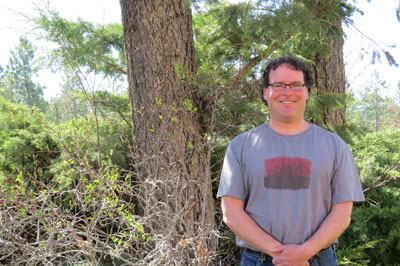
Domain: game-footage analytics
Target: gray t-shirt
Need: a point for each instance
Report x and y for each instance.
(289, 183)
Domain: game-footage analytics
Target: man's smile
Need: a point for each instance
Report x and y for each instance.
(287, 102)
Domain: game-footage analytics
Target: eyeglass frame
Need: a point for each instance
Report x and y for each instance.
(302, 85)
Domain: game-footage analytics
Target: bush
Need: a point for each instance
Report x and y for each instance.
(25, 145)
(373, 237)
(63, 200)
(91, 223)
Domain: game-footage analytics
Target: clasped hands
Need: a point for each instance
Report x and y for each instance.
(290, 255)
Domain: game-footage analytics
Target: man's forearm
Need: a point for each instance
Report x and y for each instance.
(245, 228)
(331, 228)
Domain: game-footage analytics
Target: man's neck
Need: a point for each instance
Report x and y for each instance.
(289, 128)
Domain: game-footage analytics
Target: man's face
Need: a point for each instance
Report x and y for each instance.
(286, 106)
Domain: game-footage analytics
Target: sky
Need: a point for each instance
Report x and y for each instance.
(13, 25)
(378, 23)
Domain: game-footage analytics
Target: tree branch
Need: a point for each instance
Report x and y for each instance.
(256, 60)
(274, 46)
(117, 68)
(386, 179)
(382, 184)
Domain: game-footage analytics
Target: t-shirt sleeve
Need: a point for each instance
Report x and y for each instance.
(232, 179)
(346, 185)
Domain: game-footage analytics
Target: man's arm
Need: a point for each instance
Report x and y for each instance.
(331, 228)
(244, 226)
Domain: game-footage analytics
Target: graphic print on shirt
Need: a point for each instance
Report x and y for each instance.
(287, 173)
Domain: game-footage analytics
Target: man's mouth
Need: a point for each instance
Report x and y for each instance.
(287, 102)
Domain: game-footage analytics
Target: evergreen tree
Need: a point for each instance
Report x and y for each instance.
(372, 109)
(84, 47)
(240, 38)
(18, 84)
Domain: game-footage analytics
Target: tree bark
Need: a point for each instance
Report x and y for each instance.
(171, 154)
(330, 79)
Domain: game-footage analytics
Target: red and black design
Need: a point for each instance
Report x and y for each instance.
(287, 173)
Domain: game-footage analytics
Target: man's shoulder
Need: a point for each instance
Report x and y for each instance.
(263, 128)
(249, 137)
(325, 133)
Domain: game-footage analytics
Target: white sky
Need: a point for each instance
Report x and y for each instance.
(13, 25)
(378, 23)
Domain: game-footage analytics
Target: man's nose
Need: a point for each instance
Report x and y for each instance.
(287, 88)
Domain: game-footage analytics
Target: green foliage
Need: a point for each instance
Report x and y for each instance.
(314, 23)
(232, 36)
(80, 143)
(62, 205)
(355, 255)
(324, 103)
(25, 144)
(373, 237)
(330, 103)
(376, 154)
(28, 142)
(84, 45)
(240, 109)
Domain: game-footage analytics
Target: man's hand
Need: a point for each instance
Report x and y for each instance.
(290, 255)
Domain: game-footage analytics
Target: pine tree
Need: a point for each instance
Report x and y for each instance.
(18, 83)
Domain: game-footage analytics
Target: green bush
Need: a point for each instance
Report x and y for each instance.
(80, 144)
(373, 238)
(374, 235)
(376, 153)
(25, 143)
(64, 197)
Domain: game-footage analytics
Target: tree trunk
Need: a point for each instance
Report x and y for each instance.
(171, 153)
(330, 80)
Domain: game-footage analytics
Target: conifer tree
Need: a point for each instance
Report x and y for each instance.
(18, 81)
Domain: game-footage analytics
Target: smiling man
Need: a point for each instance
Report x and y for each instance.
(287, 187)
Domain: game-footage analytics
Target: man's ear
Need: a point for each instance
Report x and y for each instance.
(264, 94)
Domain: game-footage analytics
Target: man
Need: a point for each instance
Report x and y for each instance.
(287, 187)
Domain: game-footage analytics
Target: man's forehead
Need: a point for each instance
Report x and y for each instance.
(286, 65)
(283, 65)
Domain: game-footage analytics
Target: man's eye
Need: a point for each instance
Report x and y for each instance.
(279, 85)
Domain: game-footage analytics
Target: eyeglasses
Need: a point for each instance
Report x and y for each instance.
(295, 86)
